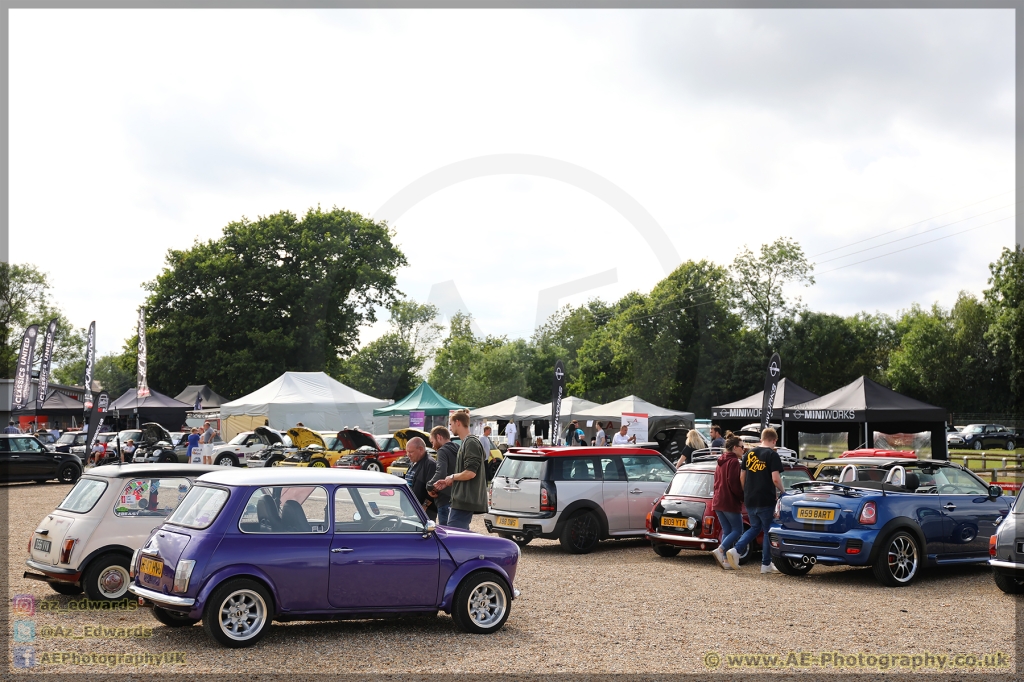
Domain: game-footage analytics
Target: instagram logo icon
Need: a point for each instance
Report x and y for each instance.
(23, 605)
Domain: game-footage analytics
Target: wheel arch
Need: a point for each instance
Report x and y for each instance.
(231, 573)
(582, 505)
(893, 525)
(464, 571)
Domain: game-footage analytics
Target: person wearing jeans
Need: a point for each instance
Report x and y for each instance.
(469, 481)
(761, 478)
(727, 502)
(447, 453)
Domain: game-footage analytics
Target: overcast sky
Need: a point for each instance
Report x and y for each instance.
(136, 131)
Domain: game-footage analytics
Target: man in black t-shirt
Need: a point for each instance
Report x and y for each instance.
(761, 478)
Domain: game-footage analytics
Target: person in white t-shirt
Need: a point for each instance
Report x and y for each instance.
(621, 438)
(510, 434)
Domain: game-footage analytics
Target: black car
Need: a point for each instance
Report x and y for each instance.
(24, 458)
(70, 439)
(982, 436)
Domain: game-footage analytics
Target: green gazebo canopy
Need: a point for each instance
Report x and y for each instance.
(424, 399)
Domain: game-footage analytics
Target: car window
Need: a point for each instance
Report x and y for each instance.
(612, 469)
(647, 469)
(791, 477)
(66, 438)
(962, 483)
(332, 443)
(83, 496)
(574, 468)
(286, 509)
(382, 442)
(240, 439)
(974, 428)
(199, 508)
(5, 444)
(521, 468)
(375, 510)
(151, 496)
(26, 445)
(692, 484)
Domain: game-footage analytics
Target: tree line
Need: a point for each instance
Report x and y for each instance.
(286, 292)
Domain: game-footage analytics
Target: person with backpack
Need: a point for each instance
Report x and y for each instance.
(727, 503)
(469, 482)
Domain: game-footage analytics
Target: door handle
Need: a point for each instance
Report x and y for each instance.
(15, 456)
(341, 549)
(949, 506)
(635, 491)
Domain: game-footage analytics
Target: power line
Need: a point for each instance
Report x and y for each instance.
(937, 239)
(931, 229)
(882, 234)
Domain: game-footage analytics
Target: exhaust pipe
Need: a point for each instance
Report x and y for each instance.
(808, 560)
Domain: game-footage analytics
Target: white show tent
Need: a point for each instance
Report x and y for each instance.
(571, 409)
(656, 415)
(313, 398)
(508, 409)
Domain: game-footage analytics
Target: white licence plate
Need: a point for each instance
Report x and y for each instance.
(42, 545)
(507, 522)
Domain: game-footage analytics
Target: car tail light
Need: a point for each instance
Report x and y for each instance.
(134, 563)
(182, 573)
(778, 509)
(854, 546)
(868, 514)
(650, 526)
(992, 546)
(65, 551)
(709, 525)
(548, 500)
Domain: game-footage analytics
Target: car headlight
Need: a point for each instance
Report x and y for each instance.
(182, 574)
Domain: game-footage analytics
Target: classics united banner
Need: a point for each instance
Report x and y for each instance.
(90, 358)
(143, 388)
(23, 373)
(44, 363)
(557, 391)
(771, 387)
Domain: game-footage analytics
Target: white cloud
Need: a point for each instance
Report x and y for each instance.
(133, 132)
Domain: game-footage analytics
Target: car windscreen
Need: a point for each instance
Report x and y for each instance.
(791, 477)
(83, 496)
(199, 508)
(239, 439)
(692, 484)
(522, 469)
(67, 438)
(974, 428)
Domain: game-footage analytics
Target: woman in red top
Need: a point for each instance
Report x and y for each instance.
(727, 502)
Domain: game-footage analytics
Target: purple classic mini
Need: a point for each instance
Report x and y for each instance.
(247, 547)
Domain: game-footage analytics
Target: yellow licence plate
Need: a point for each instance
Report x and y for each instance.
(507, 521)
(675, 523)
(815, 514)
(152, 567)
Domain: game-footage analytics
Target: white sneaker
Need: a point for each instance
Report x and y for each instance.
(770, 568)
(720, 557)
(734, 558)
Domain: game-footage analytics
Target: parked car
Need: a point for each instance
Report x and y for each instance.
(577, 495)
(921, 513)
(377, 453)
(246, 444)
(154, 444)
(683, 518)
(70, 439)
(848, 469)
(1007, 551)
(246, 548)
(312, 449)
(24, 458)
(879, 452)
(122, 437)
(983, 436)
(47, 439)
(88, 540)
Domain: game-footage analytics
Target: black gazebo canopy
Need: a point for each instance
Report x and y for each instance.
(733, 416)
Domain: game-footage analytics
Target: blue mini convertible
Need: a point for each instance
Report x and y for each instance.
(247, 547)
(897, 517)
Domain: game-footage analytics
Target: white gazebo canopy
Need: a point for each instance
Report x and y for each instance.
(572, 408)
(508, 409)
(634, 405)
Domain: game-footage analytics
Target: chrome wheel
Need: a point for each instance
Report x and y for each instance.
(225, 461)
(373, 466)
(487, 604)
(113, 582)
(902, 559)
(242, 614)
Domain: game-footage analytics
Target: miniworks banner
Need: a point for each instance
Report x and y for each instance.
(90, 359)
(23, 372)
(771, 386)
(143, 387)
(557, 392)
(44, 363)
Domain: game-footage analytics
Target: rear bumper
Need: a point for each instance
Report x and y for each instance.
(684, 541)
(529, 525)
(55, 572)
(828, 548)
(160, 598)
(1007, 567)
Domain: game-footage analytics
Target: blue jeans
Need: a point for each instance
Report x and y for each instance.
(459, 518)
(732, 526)
(442, 514)
(760, 520)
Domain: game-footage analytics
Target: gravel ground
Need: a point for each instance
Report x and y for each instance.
(621, 609)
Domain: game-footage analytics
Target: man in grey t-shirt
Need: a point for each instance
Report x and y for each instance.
(447, 452)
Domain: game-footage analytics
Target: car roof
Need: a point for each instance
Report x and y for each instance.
(150, 470)
(298, 476)
(884, 461)
(578, 451)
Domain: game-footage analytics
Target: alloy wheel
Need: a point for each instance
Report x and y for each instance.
(902, 558)
(487, 604)
(584, 531)
(242, 614)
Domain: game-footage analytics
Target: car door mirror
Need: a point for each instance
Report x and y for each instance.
(396, 449)
(429, 529)
(995, 491)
